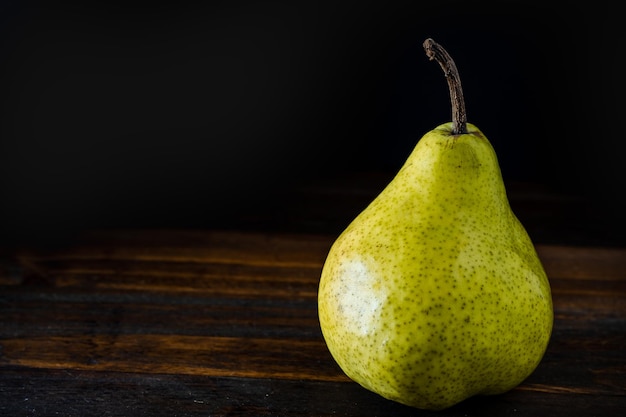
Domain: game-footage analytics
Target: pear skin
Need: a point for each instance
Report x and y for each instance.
(435, 293)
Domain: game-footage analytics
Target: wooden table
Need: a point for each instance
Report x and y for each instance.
(218, 323)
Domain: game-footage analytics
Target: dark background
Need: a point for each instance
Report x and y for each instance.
(177, 114)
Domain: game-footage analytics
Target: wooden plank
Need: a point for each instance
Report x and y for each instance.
(260, 249)
(208, 278)
(255, 249)
(85, 393)
(583, 262)
(591, 354)
(34, 317)
(177, 354)
(584, 353)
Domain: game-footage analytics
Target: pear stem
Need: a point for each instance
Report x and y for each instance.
(439, 54)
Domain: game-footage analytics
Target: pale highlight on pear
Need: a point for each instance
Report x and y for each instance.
(435, 293)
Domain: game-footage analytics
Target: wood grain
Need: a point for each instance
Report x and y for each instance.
(225, 323)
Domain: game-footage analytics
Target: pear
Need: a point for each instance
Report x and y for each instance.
(435, 293)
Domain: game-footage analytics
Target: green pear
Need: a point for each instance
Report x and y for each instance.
(435, 293)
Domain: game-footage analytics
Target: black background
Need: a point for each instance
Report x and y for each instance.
(178, 114)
